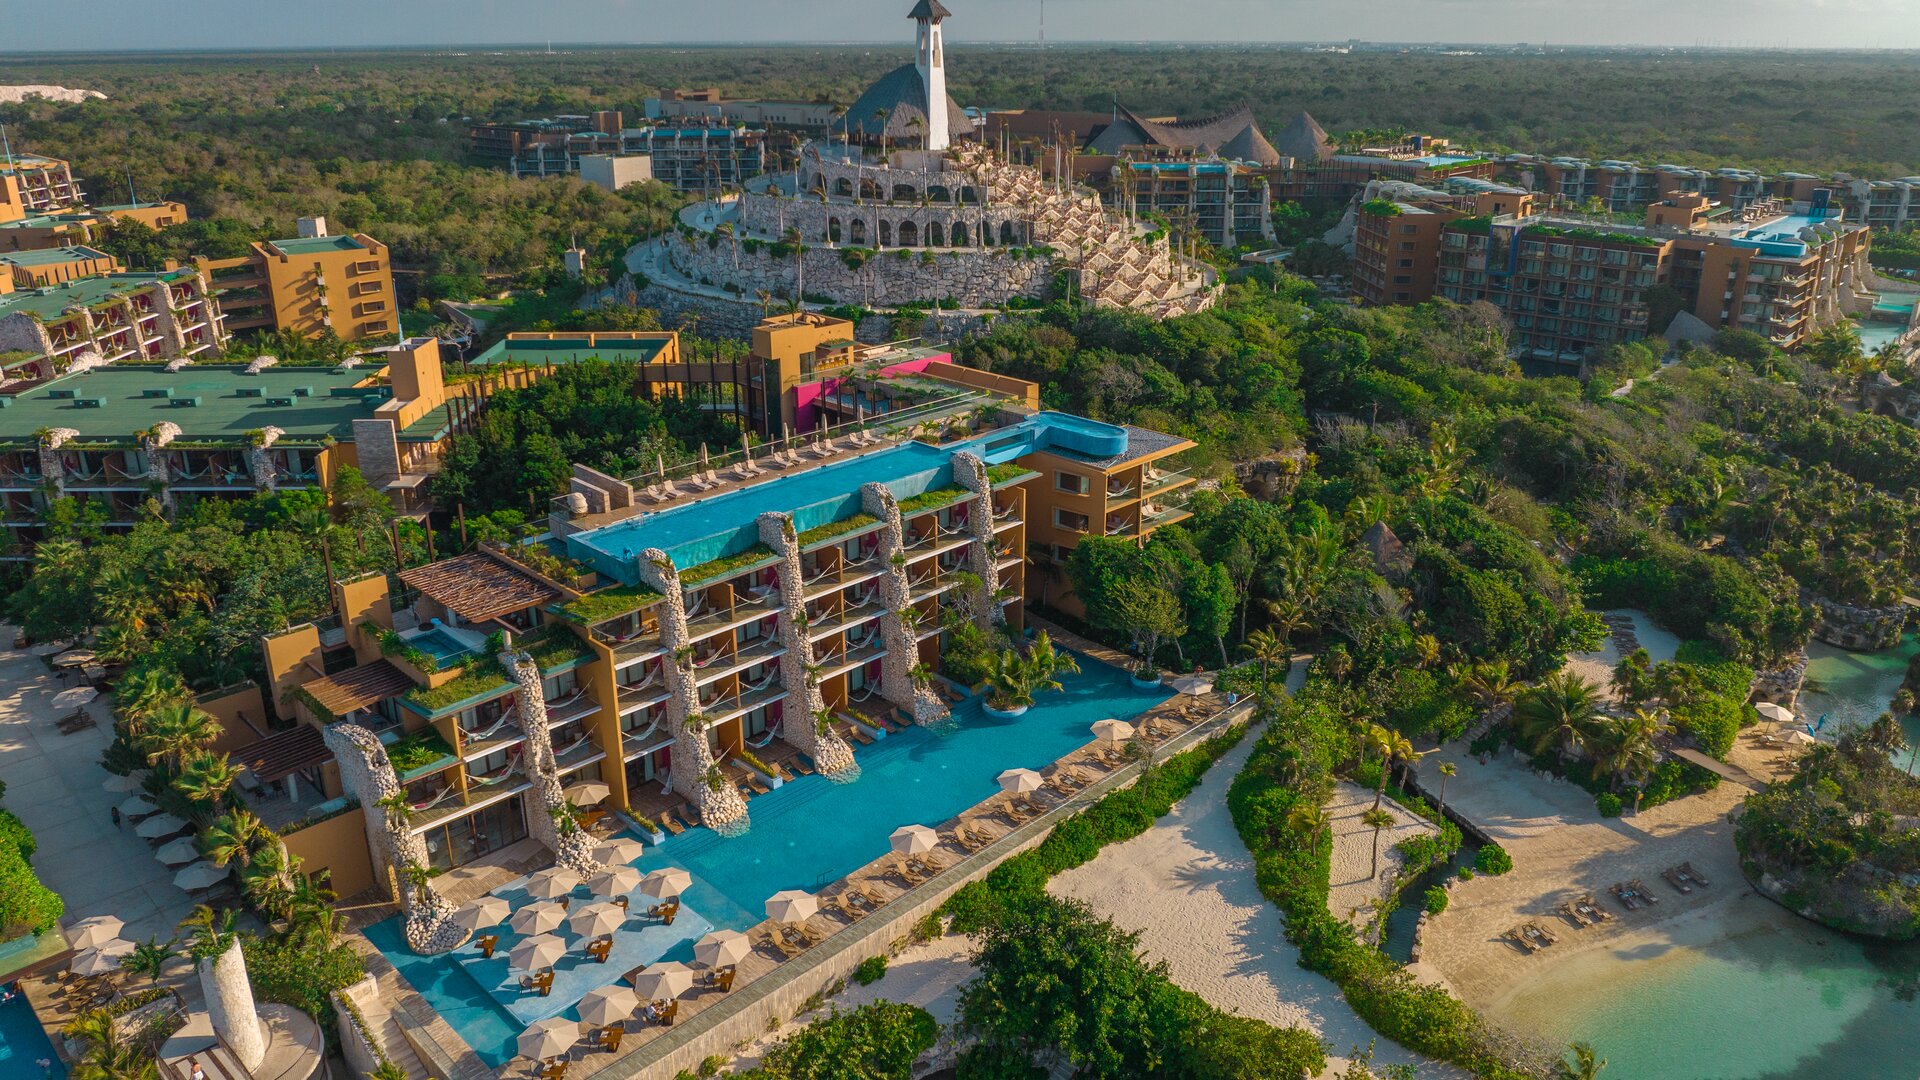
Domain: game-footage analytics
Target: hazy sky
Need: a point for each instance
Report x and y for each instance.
(296, 23)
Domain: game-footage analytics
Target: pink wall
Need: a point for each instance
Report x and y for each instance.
(806, 402)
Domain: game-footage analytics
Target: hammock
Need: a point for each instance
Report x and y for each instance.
(1121, 494)
(866, 598)
(489, 779)
(699, 605)
(653, 676)
(666, 783)
(645, 731)
(763, 683)
(819, 577)
(575, 745)
(710, 658)
(864, 692)
(571, 696)
(1006, 514)
(433, 802)
(483, 736)
(761, 741)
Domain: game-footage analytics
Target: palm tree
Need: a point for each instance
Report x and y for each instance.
(146, 690)
(1377, 820)
(1286, 617)
(311, 918)
(233, 837)
(269, 879)
(1585, 1064)
(1490, 684)
(108, 1056)
(1309, 819)
(177, 730)
(1426, 648)
(206, 778)
(1558, 714)
(1391, 746)
(1447, 768)
(210, 931)
(1626, 753)
(1267, 649)
(398, 809)
(420, 880)
(149, 958)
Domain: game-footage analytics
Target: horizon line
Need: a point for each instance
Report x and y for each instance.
(541, 47)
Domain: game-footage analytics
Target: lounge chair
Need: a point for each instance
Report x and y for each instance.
(665, 912)
(800, 766)
(723, 980)
(1676, 879)
(781, 945)
(1518, 937)
(856, 733)
(905, 871)
(667, 1013)
(1693, 875)
(488, 943)
(555, 1070)
(668, 823)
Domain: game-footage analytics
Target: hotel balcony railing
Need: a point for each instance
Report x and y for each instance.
(634, 698)
(746, 608)
(630, 648)
(477, 795)
(828, 625)
(846, 659)
(922, 586)
(577, 752)
(724, 709)
(854, 573)
(759, 652)
(1158, 482)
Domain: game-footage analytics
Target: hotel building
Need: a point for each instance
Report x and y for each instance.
(113, 317)
(688, 156)
(309, 285)
(1627, 186)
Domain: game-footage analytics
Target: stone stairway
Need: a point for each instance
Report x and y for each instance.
(387, 1029)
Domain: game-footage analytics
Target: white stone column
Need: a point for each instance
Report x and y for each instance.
(51, 440)
(573, 848)
(368, 776)
(258, 463)
(983, 553)
(223, 982)
(722, 810)
(896, 678)
(830, 753)
(154, 442)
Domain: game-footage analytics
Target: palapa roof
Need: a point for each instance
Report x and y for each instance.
(904, 95)
(1305, 139)
(1389, 553)
(479, 586)
(1233, 134)
(284, 753)
(359, 688)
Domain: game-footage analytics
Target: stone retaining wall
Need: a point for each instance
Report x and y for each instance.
(1861, 629)
(976, 277)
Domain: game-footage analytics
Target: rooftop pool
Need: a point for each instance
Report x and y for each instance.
(804, 835)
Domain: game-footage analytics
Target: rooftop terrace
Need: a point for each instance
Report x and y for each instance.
(571, 349)
(50, 256)
(227, 403)
(313, 245)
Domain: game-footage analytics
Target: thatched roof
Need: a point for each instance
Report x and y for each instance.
(1233, 134)
(903, 94)
(479, 586)
(1389, 554)
(1305, 139)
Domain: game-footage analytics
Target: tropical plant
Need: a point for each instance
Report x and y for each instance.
(420, 879)
(150, 958)
(1013, 680)
(1558, 715)
(1378, 820)
(1580, 1063)
(1391, 746)
(206, 778)
(1625, 750)
(1447, 769)
(209, 931)
(108, 1054)
(1489, 683)
(1267, 649)
(176, 730)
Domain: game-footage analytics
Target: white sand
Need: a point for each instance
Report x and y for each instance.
(1356, 889)
(1187, 886)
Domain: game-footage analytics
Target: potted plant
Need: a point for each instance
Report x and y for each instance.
(1146, 676)
(1013, 681)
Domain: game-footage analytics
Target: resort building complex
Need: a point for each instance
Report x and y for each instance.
(42, 206)
(46, 329)
(1621, 186)
(702, 157)
(1569, 283)
(308, 285)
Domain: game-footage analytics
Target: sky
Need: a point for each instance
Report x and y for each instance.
(187, 24)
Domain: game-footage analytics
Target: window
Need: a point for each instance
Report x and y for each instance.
(1071, 483)
(1406, 263)
(1067, 519)
(1400, 296)
(1403, 279)
(1406, 245)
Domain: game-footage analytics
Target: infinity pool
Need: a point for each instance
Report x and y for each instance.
(812, 832)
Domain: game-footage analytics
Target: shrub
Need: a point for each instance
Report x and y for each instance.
(870, 970)
(301, 976)
(1607, 803)
(992, 1061)
(1436, 900)
(1492, 860)
(880, 1040)
(26, 906)
(1466, 873)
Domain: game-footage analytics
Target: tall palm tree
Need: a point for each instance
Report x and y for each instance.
(1447, 768)
(1584, 1063)
(206, 778)
(210, 931)
(233, 837)
(1625, 749)
(1391, 746)
(270, 878)
(311, 918)
(1267, 649)
(1310, 820)
(1377, 820)
(1287, 617)
(1558, 715)
(177, 730)
(150, 958)
(1426, 648)
(108, 1055)
(1490, 684)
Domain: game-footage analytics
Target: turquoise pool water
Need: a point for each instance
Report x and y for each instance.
(812, 832)
(23, 1042)
(1856, 687)
(440, 644)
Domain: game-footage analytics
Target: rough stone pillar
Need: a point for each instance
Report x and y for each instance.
(51, 471)
(572, 849)
(154, 442)
(896, 678)
(983, 553)
(258, 463)
(830, 753)
(223, 982)
(722, 810)
(368, 776)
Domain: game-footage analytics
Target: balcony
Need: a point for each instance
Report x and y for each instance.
(926, 585)
(829, 625)
(760, 652)
(849, 658)
(746, 609)
(724, 709)
(482, 791)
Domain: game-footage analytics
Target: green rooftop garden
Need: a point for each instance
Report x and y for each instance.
(554, 646)
(836, 528)
(1007, 472)
(725, 565)
(933, 500)
(418, 750)
(482, 677)
(598, 607)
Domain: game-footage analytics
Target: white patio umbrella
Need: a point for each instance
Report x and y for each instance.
(138, 807)
(537, 952)
(704, 463)
(122, 784)
(486, 911)
(618, 881)
(160, 825)
(94, 962)
(1193, 684)
(73, 658)
(1020, 781)
(619, 851)
(597, 920)
(792, 906)
(538, 919)
(552, 883)
(668, 980)
(608, 1005)
(74, 698)
(178, 852)
(1112, 731)
(587, 793)
(1800, 738)
(666, 882)
(95, 932)
(1779, 714)
(913, 840)
(722, 948)
(548, 1038)
(201, 875)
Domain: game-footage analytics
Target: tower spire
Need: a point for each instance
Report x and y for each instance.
(931, 61)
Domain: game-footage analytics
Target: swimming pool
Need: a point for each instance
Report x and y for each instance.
(23, 1042)
(444, 645)
(812, 832)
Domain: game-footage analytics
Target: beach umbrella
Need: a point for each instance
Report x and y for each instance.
(74, 698)
(122, 784)
(538, 919)
(1800, 738)
(666, 882)
(73, 658)
(178, 852)
(704, 464)
(1113, 731)
(1193, 684)
(792, 906)
(539, 951)
(160, 825)
(746, 449)
(486, 911)
(548, 1038)
(94, 962)
(552, 883)
(95, 932)
(1020, 781)
(137, 807)
(588, 792)
(608, 1005)
(201, 875)
(1779, 714)
(619, 851)
(668, 980)
(660, 463)
(618, 881)
(722, 948)
(913, 840)
(597, 920)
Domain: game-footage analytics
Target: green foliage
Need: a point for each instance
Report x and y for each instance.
(726, 565)
(417, 751)
(1381, 208)
(969, 655)
(26, 906)
(1608, 804)
(877, 1041)
(300, 975)
(836, 528)
(995, 1061)
(393, 646)
(1435, 900)
(553, 646)
(932, 500)
(482, 676)
(1492, 860)
(870, 971)
(598, 607)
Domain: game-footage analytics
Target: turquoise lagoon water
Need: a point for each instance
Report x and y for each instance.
(1856, 687)
(804, 835)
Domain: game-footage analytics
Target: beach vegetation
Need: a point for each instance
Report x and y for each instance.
(881, 1039)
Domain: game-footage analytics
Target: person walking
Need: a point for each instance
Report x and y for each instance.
(115, 811)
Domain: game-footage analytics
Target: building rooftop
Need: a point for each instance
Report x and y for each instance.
(568, 350)
(52, 302)
(227, 403)
(50, 256)
(479, 586)
(312, 245)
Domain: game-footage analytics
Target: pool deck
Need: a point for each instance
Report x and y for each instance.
(1173, 724)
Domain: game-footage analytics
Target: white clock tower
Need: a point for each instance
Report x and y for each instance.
(931, 61)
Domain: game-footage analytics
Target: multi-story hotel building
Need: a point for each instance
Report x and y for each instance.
(681, 638)
(690, 157)
(42, 206)
(30, 184)
(309, 285)
(108, 317)
(1629, 186)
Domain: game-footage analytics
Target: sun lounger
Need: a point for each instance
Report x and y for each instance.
(1676, 879)
(668, 823)
(1693, 875)
(555, 1071)
(781, 945)
(857, 734)
(1576, 916)
(610, 1037)
(800, 766)
(1518, 937)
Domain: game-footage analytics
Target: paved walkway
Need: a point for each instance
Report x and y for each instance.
(54, 786)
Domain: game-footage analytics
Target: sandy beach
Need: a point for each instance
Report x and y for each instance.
(1355, 890)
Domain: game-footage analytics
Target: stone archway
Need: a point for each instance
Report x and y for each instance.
(958, 235)
(886, 233)
(1007, 237)
(843, 187)
(936, 236)
(857, 232)
(905, 193)
(833, 230)
(909, 234)
(969, 196)
(939, 193)
(869, 189)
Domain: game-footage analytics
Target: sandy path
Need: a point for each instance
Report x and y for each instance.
(1187, 886)
(1356, 890)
